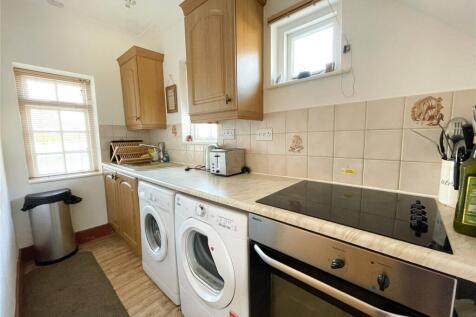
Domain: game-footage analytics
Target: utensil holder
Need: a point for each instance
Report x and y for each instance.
(447, 195)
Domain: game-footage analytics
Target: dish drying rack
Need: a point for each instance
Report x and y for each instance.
(129, 152)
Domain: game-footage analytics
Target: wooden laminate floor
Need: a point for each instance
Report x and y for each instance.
(139, 295)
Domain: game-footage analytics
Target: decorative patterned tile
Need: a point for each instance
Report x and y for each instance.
(426, 111)
(296, 143)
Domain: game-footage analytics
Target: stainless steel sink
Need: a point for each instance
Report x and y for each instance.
(147, 166)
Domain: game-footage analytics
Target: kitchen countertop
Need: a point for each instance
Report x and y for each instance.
(242, 191)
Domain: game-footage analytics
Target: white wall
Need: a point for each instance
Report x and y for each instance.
(397, 51)
(38, 34)
(8, 249)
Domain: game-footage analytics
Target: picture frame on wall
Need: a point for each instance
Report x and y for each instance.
(171, 98)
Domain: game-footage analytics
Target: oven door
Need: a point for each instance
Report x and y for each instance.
(281, 286)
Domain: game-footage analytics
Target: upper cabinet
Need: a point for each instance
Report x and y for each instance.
(143, 88)
(224, 41)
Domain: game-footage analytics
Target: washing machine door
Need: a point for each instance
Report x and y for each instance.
(154, 233)
(206, 263)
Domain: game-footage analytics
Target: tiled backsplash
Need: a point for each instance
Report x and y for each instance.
(107, 133)
(365, 143)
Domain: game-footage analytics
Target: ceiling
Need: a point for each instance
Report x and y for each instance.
(459, 14)
(135, 20)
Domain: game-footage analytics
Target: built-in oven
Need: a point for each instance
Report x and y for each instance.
(297, 273)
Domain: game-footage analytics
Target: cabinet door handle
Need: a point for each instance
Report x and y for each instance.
(227, 99)
(137, 118)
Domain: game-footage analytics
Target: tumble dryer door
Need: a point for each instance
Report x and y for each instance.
(154, 233)
(206, 263)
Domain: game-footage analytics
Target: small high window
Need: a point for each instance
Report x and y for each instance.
(305, 42)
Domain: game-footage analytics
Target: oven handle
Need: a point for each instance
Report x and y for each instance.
(327, 289)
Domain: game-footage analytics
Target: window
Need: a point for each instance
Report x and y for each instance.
(58, 123)
(204, 132)
(305, 43)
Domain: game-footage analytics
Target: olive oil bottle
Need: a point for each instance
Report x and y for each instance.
(465, 215)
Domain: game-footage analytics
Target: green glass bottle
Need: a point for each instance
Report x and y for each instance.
(465, 214)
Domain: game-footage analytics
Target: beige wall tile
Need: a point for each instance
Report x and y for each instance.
(242, 127)
(419, 149)
(381, 174)
(296, 166)
(385, 113)
(228, 124)
(321, 144)
(198, 158)
(189, 156)
(229, 144)
(276, 121)
(321, 119)
(416, 177)
(244, 142)
(278, 144)
(349, 144)
(258, 163)
(105, 130)
(350, 116)
(255, 125)
(463, 103)
(383, 144)
(348, 171)
(277, 165)
(447, 101)
(291, 138)
(320, 168)
(258, 147)
(296, 120)
(119, 132)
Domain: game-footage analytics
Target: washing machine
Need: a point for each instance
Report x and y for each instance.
(158, 238)
(212, 258)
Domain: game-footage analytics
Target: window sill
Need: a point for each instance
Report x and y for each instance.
(48, 179)
(315, 77)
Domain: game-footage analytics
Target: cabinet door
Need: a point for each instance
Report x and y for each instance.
(210, 57)
(111, 203)
(152, 95)
(128, 206)
(130, 92)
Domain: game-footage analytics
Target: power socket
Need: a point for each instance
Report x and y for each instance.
(228, 134)
(264, 134)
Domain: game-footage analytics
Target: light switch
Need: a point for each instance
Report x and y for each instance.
(228, 134)
(264, 134)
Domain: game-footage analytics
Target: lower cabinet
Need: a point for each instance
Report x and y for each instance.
(123, 207)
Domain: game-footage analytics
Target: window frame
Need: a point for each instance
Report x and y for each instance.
(87, 107)
(311, 18)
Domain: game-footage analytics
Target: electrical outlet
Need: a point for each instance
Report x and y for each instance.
(228, 134)
(264, 134)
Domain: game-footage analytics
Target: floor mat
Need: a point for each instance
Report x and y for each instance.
(74, 287)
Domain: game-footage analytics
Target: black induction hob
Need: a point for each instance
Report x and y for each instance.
(409, 218)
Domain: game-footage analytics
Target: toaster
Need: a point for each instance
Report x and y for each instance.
(227, 162)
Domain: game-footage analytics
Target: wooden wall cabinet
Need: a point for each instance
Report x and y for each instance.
(143, 93)
(123, 207)
(224, 40)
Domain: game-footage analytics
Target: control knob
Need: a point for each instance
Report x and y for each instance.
(200, 211)
(383, 281)
(337, 264)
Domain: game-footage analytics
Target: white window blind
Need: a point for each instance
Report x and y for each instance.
(58, 123)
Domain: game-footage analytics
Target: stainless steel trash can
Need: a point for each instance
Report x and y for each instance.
(50, 218)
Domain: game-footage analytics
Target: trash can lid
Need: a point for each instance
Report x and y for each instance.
(34, 200)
